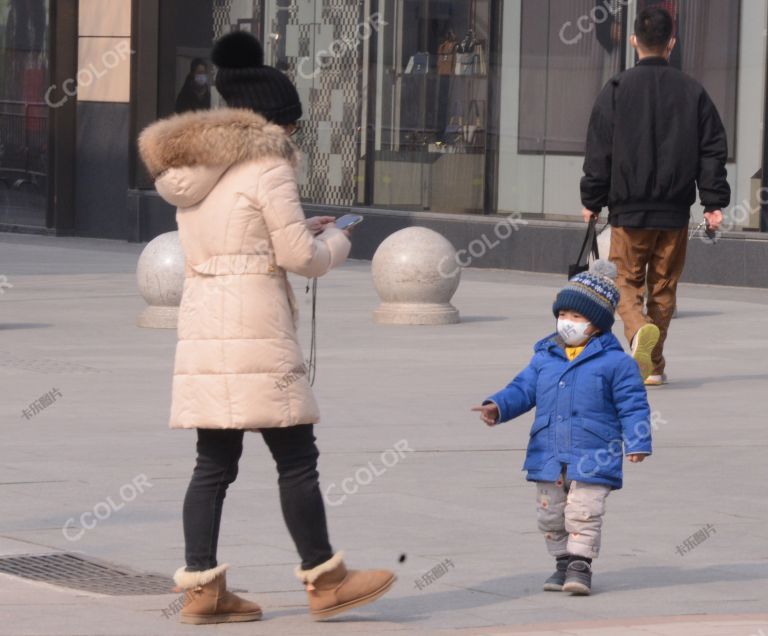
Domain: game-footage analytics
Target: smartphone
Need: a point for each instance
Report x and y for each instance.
(348, 221)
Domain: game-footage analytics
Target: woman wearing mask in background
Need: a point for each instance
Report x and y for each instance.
(195, 94)
(231, 174)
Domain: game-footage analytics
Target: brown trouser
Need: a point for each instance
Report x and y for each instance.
(652, 260)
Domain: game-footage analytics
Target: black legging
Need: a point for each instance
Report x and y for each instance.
(218, 453)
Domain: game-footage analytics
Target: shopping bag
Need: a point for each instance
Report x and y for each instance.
(588, 246)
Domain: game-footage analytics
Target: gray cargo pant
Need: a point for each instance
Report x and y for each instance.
(571, 515)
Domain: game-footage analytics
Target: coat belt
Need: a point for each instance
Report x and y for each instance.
(237, 264)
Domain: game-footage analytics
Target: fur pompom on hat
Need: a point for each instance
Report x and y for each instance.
(593, 294)
(244, 81)
(238, 49)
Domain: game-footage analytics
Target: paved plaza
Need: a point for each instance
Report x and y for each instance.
(413, 480)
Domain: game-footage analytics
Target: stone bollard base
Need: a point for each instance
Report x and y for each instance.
(155, 317)
(416, 314)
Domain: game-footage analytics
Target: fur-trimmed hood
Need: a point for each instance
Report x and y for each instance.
(187, 154)
(223, 136)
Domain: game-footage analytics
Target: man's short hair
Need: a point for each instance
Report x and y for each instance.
(654, 28)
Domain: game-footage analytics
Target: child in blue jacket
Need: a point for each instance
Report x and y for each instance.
(591, 407)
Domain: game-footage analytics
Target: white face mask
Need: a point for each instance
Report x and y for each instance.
(201, 79)
(572, 333)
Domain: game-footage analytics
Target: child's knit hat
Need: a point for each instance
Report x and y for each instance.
(593, 294)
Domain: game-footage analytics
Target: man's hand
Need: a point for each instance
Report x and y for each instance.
(636, 458)
(317, 224)
(714, 219)
(588, 215)
(489, 413)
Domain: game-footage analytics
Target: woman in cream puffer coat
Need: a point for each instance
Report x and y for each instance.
(231, 175)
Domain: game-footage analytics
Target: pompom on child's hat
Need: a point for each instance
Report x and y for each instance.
(244, 81)
(593, 294)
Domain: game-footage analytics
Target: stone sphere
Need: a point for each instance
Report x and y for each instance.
(160, 276)
(416, 274)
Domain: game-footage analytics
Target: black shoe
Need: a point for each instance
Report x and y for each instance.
(578, 578)
(555, 582)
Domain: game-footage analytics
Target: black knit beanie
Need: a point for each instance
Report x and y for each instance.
(245, 82)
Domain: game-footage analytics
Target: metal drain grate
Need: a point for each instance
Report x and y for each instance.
(82, 573)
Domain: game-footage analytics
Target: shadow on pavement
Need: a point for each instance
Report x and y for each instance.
(421, 606)
(698, 382)
(697, 314)
(484, 318)
(24, 325)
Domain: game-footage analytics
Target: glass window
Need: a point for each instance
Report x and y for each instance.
(396, 93)
(567, 56)
(699, 25)
(569, 49)
(321, 47)
(24, 80)
(395, 100)
(186, 38)
(430, 110)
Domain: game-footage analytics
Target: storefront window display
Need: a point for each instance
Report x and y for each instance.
(395, 93)
(465, 106)
(571, 48)
(431, 107)
(558, 54)
(24, 64)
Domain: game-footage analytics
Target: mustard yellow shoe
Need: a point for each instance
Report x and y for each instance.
(643, 343)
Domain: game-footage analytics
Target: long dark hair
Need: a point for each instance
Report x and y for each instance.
(190, 97)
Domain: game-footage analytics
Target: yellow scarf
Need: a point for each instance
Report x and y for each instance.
(572, 352)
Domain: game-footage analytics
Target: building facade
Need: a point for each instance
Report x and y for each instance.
(450, 113)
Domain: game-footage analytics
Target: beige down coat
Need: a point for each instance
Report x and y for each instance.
(232, 177)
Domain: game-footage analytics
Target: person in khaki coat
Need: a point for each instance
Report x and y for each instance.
(231, 174)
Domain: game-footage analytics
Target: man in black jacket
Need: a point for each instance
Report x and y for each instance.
(654, 136)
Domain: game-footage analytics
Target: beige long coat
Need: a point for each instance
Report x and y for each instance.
(231, 176)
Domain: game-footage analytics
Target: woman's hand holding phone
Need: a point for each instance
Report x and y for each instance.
(317, 224)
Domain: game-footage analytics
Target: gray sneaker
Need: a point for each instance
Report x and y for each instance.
(555, 582)
(578, 578)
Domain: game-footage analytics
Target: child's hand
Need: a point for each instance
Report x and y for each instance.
(636, 458)
(489, 413)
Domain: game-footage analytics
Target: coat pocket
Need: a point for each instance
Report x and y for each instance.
(539, 443)
(593, 434)
(599, 448)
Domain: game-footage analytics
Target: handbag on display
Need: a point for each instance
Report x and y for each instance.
(454, 126)
(481, 64)
(588, 246)
(455, 123)
(473, 125)
(446, 54)
(418, 64)
(466, 55)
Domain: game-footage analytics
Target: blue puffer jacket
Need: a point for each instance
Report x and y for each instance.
(586, 410)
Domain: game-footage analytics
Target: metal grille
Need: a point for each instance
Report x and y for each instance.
(329, 174)
(83, 573)
(221, 18)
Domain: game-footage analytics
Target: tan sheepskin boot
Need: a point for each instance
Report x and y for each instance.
(332, 589)
(206, 599)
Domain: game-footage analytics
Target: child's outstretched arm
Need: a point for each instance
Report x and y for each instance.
(518, 397)
(631, 400)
